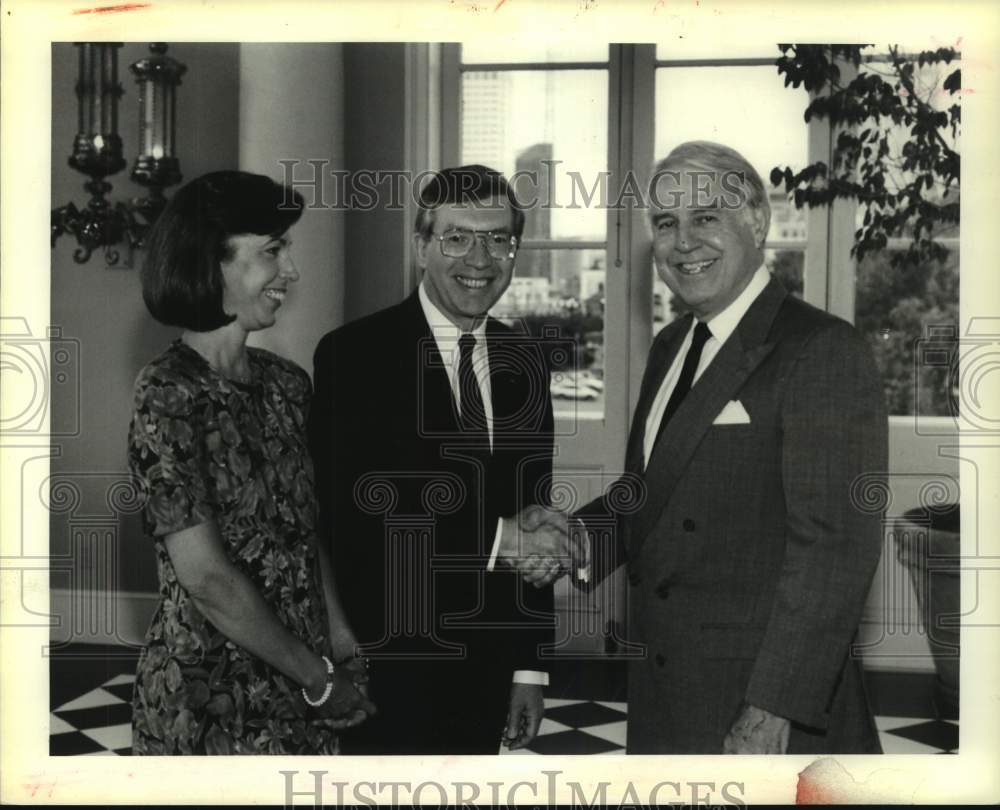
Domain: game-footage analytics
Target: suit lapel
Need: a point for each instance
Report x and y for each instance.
(500, 379)
(736, 360)
(507, 380)
(661, 357)
(437, 413)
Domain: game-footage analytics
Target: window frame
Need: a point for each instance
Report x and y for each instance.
(584, 438)
(829, 269)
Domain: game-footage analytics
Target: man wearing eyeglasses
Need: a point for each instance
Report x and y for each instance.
(431, 422)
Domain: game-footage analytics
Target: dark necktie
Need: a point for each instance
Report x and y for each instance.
(473, 413)
(701, 334)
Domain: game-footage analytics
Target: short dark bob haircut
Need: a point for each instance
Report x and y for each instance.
(181, 275)
(473, 184)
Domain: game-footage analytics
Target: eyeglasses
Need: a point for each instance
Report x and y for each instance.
(457, 243)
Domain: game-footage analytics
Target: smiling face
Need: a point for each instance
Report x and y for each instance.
(256, 277)
(705, 252)
(465, 288)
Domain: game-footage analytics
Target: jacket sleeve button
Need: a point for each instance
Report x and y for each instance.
(688, 525)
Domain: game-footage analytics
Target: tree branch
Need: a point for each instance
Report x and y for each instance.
(914, 97)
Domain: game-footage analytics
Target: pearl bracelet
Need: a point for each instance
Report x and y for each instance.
(326, 692)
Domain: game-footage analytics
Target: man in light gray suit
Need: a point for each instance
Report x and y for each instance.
(760, 421)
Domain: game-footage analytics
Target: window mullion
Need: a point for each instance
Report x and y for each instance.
(451, 104)
(639, 109)
(829, 266)
(422, 141)
(817, 261)
(842, 271)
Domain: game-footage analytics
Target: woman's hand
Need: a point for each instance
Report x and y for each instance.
(348, 697)
(348, 705)
(357, 669)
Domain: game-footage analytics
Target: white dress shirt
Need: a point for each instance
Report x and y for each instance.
(721, 326)
(446, 335)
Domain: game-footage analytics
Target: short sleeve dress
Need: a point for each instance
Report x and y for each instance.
(206, 448)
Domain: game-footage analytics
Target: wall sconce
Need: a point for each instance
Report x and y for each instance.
(98, 153)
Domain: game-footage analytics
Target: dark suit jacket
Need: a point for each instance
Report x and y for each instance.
(752, 553)
(411, 507)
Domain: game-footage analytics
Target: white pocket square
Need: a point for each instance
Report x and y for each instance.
(733, 414)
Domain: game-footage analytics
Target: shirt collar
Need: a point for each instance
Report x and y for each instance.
(442, 328)
(725, 323)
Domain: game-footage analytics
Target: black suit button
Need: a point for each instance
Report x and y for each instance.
(660, 660)
(688, 525)
(663, 589)
(634, 578)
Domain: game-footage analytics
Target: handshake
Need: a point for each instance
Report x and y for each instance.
(543, 544)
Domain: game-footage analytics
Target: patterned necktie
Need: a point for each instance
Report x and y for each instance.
(701, 334)
(473, 413)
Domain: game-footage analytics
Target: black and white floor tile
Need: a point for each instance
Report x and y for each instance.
(596, 727)
(579, 727)
(91, 713)
(97, 722)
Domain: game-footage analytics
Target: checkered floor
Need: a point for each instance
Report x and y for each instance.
(579, 727)
(597, 727)
(91, 714)
(97, 722)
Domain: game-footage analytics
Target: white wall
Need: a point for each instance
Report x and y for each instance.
(239, 106)
(921, 466)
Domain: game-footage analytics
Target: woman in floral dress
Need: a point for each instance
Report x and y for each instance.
(248, 651)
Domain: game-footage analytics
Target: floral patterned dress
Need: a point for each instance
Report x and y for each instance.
(207, 448)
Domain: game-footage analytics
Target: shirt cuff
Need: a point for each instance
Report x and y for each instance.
(496, 546)
(531, 676)
(582, 573)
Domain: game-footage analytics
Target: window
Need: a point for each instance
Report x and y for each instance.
(909, 312)
(909, 315)
(745, 104)
(543, 147)
(586, 270)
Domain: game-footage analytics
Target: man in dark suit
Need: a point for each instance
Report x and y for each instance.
(431, 422)
(749, 545)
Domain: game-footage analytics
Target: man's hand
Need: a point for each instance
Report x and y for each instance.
(532, 517)
(540, 544)
(757, 731)
(524, 715)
